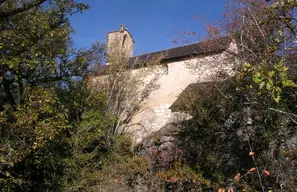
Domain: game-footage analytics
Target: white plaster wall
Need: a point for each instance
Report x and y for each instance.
(155, 112)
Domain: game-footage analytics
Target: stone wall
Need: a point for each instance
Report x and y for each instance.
(120, 41)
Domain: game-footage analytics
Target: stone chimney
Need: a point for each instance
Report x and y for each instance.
(120, 41)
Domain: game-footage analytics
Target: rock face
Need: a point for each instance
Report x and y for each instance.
(161, 147)
(156, 144)
(158, 149)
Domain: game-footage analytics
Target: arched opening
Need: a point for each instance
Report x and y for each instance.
(124, 42)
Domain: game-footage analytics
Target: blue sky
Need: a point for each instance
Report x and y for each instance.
(152, 23)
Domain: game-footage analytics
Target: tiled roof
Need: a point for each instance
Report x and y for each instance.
(200, 48)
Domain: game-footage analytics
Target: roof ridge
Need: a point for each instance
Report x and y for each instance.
(119, 30)
(161, 50)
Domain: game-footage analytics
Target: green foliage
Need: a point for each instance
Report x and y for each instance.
(270, 81)
(37, 121)
(51, 123)
(245, 117)
(57, 133)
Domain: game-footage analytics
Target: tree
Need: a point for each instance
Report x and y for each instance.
(126, 84)
(39, 69)
(35, 40)
(252, 124)
(23, 7)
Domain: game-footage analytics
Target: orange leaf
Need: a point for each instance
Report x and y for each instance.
(266, 172)
(252, 169)
(251, 153)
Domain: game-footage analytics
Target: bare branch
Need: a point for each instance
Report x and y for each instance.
(21, 9)
(2, 1)
(283, 112)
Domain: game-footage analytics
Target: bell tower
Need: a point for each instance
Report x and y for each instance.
(120, 41)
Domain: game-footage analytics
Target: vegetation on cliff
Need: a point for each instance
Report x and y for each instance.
(59, 134)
